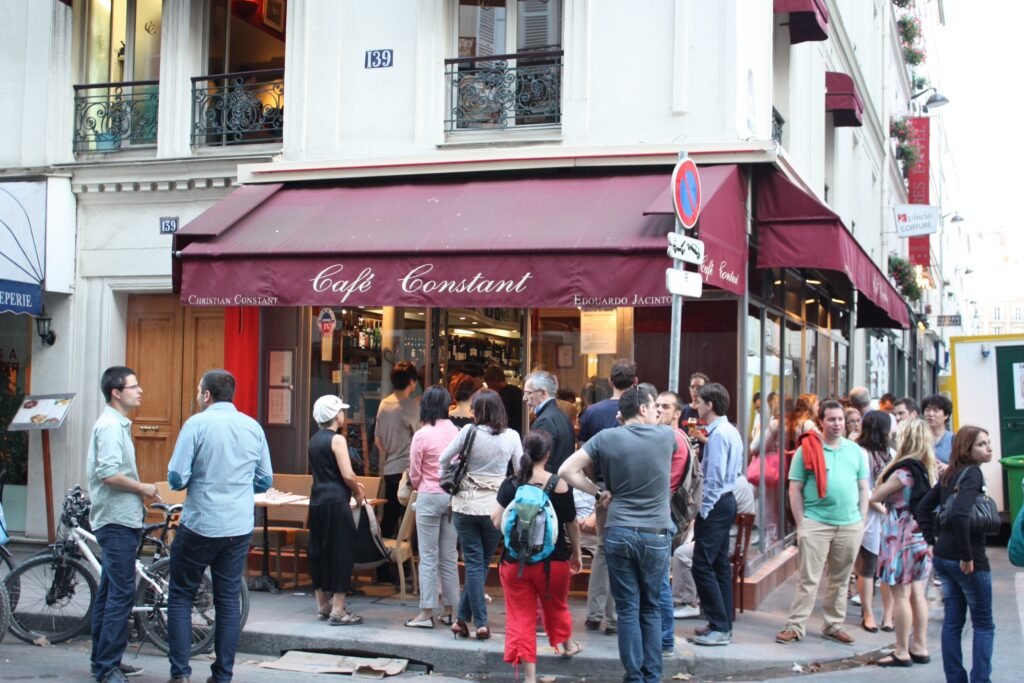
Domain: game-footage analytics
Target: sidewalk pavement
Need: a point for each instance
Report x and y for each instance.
(287, 621)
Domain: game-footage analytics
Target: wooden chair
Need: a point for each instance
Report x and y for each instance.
(744, 526)
(372, 486)
(401, 548)
(285, 522)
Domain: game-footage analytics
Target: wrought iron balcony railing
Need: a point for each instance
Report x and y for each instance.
(109, 116)
(498, 91)
(777, 124)
(238, 108)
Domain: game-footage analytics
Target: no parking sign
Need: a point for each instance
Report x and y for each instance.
(686, 192)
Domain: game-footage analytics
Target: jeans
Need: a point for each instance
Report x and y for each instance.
(115, 597)
(961, 592)
(668, 624)
(637, 567)
(191, 554)
(712, 573)
(478, 539)
(439, 570)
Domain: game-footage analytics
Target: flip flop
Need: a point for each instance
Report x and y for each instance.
(893, 660)
(920, 659)
(564, 650)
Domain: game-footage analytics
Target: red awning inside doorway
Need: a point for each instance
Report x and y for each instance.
(842, 100)
(561, 239)
(795, 230)
(808, 19)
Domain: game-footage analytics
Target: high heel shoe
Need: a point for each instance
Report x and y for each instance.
(459, 629)
(483, 633)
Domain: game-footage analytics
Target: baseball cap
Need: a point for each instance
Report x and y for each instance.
(327, 408)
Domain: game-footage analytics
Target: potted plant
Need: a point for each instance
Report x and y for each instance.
(914, 55)
(919, 83)
(899, 128)
(903, 275)
(908, 152)
(903, 4)
(909, 28)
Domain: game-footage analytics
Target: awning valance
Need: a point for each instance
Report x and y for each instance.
(795, 230)
(808, 19)
(564, 239)
(842, 100)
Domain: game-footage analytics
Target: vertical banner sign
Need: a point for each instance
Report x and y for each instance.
(918, 181)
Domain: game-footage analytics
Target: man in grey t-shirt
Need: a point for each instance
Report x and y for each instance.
(635, 459)
(397, 419)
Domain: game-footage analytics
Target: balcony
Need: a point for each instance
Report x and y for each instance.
(109, 116)
(501, 91)
(238, 108)
(778, 123)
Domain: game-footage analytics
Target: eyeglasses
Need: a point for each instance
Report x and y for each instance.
(129, 386)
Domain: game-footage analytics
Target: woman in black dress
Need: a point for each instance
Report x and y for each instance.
(332, 530)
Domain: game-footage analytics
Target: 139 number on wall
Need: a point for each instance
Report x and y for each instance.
(379, 59)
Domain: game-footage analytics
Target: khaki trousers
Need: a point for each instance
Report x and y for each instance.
(817, 544)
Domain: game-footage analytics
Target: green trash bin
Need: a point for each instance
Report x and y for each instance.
(1014, 466)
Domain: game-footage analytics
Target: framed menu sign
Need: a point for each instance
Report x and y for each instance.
(42, 411)
(280, 375)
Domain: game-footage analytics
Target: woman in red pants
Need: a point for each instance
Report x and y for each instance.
(544, 583)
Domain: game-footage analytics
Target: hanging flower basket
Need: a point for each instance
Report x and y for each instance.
(909, 28)
(909, 153)
(914, 56)
(903, 3)
(899, 128)
(903, 275)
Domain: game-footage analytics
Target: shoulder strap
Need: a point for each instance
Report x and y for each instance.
(552, 483)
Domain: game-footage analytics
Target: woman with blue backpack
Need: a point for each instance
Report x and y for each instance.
(536, 515)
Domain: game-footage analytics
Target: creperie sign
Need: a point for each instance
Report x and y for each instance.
(919, 247)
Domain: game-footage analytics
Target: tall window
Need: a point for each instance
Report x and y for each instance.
(117, 103)
(997, 313)
(1018, 314)
(522, 85)
(241, 97)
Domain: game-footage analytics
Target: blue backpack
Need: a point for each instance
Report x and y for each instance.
(529, 524)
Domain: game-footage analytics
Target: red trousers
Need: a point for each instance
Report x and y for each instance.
(522, 595)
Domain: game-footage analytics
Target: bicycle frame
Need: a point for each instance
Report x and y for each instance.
(82, 540)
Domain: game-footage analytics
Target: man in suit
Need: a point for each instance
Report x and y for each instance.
(539, 391)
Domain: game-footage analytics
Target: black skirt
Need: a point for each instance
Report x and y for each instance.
(332, 537)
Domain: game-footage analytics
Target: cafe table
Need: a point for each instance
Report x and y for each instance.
(266, 582)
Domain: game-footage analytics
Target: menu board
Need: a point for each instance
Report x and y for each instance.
(598, 331)
(44, 411)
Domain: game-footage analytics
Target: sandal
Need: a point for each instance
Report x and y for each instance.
(569, 648)
(323, 614)
(893, 660)
(420, 623)
(446, 619)
(344, 619)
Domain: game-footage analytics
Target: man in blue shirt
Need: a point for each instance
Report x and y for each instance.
(723, 458)
(116, 517)
(221, 458)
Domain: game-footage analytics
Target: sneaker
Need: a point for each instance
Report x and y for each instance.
(130, 671)
(686, 612)
(592, 624)
(840, 636)
(855, 600)
(114, 676)
(611, 629)
(713, 638)
(787, 636)
(667, 652)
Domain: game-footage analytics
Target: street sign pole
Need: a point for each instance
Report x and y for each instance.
(675, 334)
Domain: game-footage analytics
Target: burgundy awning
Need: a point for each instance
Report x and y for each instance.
(795, 230)
(558, 240)
(842, 100)
(808, 19)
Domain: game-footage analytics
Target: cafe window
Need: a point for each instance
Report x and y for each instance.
(354, 360)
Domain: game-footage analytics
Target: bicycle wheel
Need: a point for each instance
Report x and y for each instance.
(5, 612)
(151, 609)
(50, 597)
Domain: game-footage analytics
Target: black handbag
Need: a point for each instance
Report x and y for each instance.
(455, 470)
(984, 516)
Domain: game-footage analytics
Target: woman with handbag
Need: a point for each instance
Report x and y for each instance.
(904, 558)
(332, 529)
(492, 447)
(439, 572)
(960, 560)
(874, 443)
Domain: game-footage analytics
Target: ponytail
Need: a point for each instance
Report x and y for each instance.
(536, 448)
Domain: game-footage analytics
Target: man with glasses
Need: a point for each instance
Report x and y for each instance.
(118, 509)
(635, 459)
(539, 391)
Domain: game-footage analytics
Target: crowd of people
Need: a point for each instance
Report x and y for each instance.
(649, 484)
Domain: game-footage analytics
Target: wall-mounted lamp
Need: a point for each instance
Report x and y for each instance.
(43, 328)
(986, 350)
(956, 217)
(936, 100)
